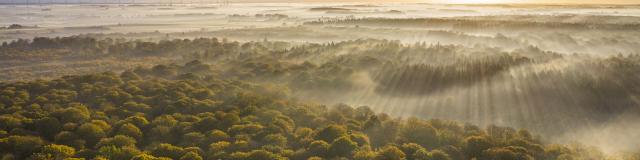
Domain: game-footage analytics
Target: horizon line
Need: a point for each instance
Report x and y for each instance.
(478, 4)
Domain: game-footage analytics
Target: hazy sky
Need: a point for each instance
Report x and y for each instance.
(544, 1)
(376, 1)
(505, 1)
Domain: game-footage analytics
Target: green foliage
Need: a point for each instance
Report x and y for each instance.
(58, 151)
(48, 126)
(331, 132)
(218, 135)
(73, 114)
(511, 153)
(318, 148)
(420, 132)
(113, 152)
(423, 154)
(191, 156)
(193, 139)
(276, 140)
(410, 149)
(117, 141)
(130, 130)
(343, 147)
(168, 150)
(91, 133)
(144, 156)
(390, 153)
(364, 155)
(474, 146)
(21, 146)
(257, 155)
(70, 139)
(218, 147)
(9, 122)
(140, 115)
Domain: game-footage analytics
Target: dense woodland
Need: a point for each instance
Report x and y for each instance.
(234, 100)
(146, 115)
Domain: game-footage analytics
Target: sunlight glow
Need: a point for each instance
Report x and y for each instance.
(476, 1)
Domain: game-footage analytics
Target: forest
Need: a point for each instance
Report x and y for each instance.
(145, 114)
(194, 79)
(222, 99)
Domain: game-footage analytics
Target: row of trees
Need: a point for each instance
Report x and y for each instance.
(424, 79)
(472, 24)
(83, 46)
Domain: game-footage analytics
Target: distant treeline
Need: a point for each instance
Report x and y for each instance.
(45, 47)
(472, 25)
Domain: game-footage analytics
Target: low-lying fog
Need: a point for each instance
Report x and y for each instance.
(109, 18)
(290, 22)
(521, 96)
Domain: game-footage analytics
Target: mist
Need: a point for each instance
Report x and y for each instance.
(568, 73)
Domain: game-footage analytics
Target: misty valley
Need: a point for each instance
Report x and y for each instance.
(312, 81)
